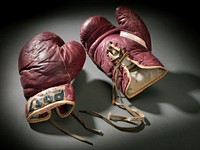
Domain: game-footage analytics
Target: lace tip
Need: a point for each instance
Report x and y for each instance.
(113, 101)
(109, 115)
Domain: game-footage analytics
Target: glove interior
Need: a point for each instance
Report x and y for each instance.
(140, 77)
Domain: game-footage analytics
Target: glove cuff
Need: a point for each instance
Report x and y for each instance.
(38, 107)
(130, 74)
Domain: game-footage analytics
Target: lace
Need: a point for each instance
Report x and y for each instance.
(117, 55)
(77, 117)
(137, 116)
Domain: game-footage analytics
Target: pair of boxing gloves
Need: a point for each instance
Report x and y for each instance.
(48, 65)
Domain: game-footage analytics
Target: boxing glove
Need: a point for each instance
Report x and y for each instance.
(123, 53)
(47, 67)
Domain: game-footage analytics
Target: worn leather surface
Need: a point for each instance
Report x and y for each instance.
(46, 61)
(96, 33)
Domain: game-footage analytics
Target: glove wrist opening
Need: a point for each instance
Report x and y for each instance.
(141, 77)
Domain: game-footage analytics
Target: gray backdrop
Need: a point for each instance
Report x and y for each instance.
(171, 105)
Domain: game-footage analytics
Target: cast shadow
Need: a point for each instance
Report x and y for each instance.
(94, 95)
(174, 89)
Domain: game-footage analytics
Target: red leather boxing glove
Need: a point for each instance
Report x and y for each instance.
(123, 53)
(48, 66)
(107, 44)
